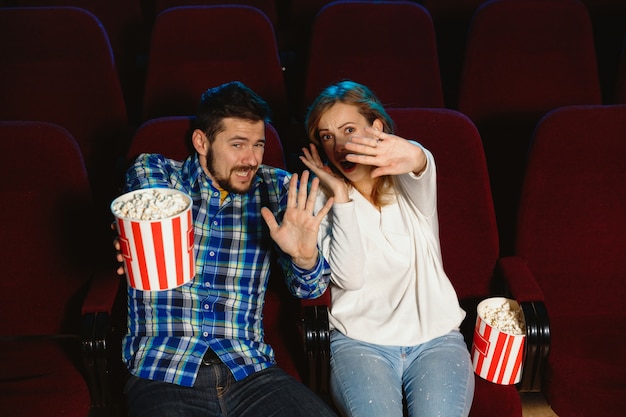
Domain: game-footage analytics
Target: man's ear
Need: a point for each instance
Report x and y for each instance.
(200, 142)
(378, 125)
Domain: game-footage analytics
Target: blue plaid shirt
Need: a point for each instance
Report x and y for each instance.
(221, 308)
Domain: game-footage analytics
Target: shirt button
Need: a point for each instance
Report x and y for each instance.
(215, 223)
(215, 194)
(205, 334)
(206, 306)
(212, 253)
(207, 284)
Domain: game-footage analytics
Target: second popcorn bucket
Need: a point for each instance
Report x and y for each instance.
(156, 237)
(499, 339)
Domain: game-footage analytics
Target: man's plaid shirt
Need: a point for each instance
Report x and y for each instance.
(221, 308)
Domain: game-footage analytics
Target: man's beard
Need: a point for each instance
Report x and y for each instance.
(225, 183)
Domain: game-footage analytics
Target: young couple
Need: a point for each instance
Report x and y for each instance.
(367, 228)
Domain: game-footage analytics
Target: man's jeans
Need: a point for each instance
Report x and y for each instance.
(269, 393)
(435, 378)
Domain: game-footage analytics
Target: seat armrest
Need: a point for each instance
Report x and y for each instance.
(102, 324)
(526, 291)
(519, 279)
(316, 335)
(103, 292)
(323, 300)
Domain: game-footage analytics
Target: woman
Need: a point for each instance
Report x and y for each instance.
(395, 317)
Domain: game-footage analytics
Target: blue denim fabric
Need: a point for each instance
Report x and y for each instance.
(436, 378)
(268, 393)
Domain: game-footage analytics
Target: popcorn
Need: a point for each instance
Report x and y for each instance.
(152, 204)
(499, 340)
(501, 317)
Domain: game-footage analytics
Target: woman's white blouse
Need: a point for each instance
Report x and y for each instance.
(388, 282)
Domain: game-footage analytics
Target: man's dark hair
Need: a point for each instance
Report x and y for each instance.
(233, 99)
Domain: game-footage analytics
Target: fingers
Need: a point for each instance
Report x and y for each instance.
(269, 218)
(302, 190)
(292, 201)
(317, 169)
(369, 145)
(312, 195)
(312, 158)
(316, 155)
(324, 210)
(361, 158)
(298, 195)
(362, 145)
(377, 134)
(375, 139)
(308, 163)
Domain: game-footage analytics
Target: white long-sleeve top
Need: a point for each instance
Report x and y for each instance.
(388, 285)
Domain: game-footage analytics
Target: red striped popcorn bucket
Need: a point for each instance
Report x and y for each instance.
(158, 254)
(497, 355)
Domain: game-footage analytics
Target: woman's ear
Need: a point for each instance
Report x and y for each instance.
(200, 142)
(378, 125)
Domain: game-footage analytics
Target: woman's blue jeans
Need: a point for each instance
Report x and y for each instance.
(268, 393)
(435, 378)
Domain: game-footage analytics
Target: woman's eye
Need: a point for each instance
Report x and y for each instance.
(324, 138)
(350, 130)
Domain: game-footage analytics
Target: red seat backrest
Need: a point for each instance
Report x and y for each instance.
(48, 231)
(170, 136)
(467, 227)
(197, 47)
(389, 46)
(528, 57)
(57, 66)
(573, 209)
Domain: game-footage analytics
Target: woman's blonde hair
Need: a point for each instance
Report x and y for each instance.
(369, 106)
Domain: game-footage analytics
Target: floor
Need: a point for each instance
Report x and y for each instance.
(534, 404)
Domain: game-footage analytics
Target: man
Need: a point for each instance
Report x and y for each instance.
(199, 349)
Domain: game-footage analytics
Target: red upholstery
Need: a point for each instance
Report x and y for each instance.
(469, 240)
(30, 387)
(51, 247)
(389, 46)
(609, 30)
(268, 7)
(467, 227)
(451, 19)
(522, 59)
(168, 136)
(124, 25)
(197, 47)
(570, 244)
(57, 66)
(528, 57)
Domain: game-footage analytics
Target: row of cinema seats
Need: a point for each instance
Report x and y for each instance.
(90, 105)
(520, 60)
(62, 305)
(60, 298)
(569, 261)
(129, 25)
